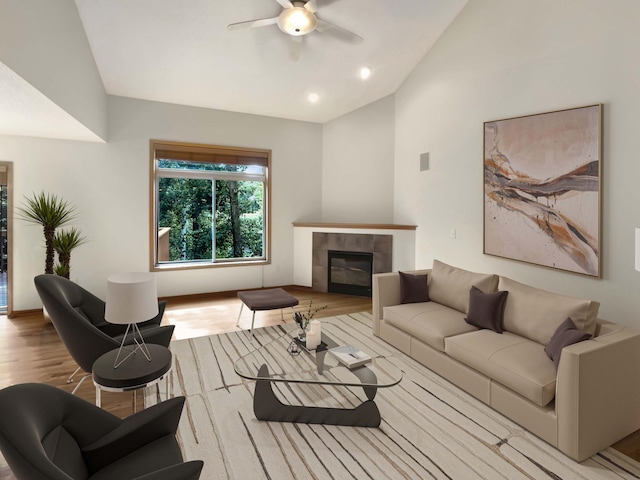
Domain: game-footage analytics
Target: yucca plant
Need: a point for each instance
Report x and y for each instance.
(61, 270)
(50, 212)
(64, 242)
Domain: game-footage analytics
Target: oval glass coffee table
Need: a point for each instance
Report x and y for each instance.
(272, 363)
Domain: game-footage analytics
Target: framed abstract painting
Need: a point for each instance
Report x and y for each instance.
(542, 189)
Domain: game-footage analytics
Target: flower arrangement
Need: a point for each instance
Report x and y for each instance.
(303, 319)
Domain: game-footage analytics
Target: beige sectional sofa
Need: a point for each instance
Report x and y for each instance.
(591, 401)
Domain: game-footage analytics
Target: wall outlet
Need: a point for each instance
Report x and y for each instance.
(452, 233)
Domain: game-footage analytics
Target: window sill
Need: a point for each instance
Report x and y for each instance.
(165, 267)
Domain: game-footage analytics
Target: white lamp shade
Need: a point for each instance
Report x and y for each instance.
(131, 298)
(638, 249)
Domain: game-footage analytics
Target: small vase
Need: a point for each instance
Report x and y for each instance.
(302, 335)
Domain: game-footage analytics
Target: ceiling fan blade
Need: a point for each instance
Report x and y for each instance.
(261, 22)
(285, 3)
(339, 32)
(311, 5)
(294, 48)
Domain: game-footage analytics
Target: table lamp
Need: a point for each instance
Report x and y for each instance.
(132, 298)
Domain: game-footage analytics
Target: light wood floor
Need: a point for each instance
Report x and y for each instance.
(31, 351)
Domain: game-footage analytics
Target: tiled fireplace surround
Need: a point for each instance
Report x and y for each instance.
(381, 246)
(398, 241)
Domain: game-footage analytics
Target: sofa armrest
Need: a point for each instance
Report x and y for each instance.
(386, 292)
(598, 392)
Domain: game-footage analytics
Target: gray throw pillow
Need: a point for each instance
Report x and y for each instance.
(566, 334)
(486, 309)
(413, 288)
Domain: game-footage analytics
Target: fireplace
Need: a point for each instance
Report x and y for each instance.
(379, 246)
(350, 272)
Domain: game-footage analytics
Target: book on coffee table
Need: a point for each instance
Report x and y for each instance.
(350, 356)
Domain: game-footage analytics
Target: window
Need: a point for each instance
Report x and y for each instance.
(210, 205)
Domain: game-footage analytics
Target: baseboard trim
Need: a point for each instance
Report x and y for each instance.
(25, 313)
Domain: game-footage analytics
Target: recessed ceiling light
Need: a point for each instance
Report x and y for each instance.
(313, 97)
(365, 72)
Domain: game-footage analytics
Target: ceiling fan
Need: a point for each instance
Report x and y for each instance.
(298, 18)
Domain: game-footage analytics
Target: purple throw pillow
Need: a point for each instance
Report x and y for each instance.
(413, 288)
(566, 334)
(486, 309)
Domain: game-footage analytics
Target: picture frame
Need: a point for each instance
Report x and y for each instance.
(542, 189)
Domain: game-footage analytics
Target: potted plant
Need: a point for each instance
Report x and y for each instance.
(50, 212)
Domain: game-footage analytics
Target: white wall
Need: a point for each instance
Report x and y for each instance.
(499, 59)
(44, 42)
(110, 185)
(357, 168)
(505, 58)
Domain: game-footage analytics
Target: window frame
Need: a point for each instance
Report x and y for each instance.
(203, 153)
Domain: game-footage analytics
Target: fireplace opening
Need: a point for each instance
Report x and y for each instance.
(350, 273)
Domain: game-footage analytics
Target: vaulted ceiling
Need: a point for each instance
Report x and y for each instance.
(182, 52)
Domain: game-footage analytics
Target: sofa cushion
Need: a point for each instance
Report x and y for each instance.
(486, 309)
(413, 288)
(566, 334)
(450, 285)
(513, 361)
(536, 314)
(429, 322)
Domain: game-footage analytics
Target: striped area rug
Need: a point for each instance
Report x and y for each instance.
(430, 429)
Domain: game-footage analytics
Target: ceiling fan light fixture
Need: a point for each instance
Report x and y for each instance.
(297, 21)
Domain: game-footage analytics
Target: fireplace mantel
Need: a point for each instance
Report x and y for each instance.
(366, 226)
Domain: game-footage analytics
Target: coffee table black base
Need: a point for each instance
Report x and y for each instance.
(267, 406)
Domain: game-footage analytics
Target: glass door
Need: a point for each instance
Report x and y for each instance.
(5, 203)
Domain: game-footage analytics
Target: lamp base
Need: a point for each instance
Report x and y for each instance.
(140, 345)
